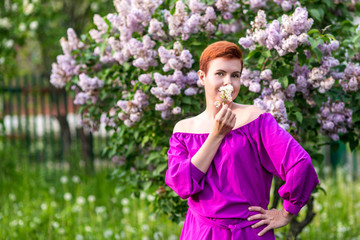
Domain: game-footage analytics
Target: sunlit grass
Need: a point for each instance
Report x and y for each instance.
(54, 204)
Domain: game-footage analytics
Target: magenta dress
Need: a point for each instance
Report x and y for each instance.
(239, 176)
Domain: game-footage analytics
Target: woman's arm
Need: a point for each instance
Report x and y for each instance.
(224, 121)
(185, 174)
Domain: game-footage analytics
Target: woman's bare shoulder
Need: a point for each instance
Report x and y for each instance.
(247, 113)
(183, 125)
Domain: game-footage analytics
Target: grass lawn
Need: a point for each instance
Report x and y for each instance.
(58, 204)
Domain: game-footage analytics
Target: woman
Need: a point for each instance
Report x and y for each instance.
(223, 160)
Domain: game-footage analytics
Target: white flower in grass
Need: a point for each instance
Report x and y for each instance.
(126, 210)
(130, 229)
(79, 237)
(76, 208)
(55, 224)
(88, 229)
(181, 223)
(100, 209)
(145, 227)
(173, 237)
(76, 179)
(53, 204)
(34, 25)
(67, 196)
(113, 200)
(36, 220)
(152, 218)
(150, 198)
(52, 190)
(80, 200)
(22, 27)
(125, 201)
(12, 197)
(145, 238)
(2, 60)
(117, 236)
(61, 231)
(158, 235)
(44, 206)
(13, 223)
(19, 213)
(142, 195)
(108, 233)
(91, 198)
(64, 179)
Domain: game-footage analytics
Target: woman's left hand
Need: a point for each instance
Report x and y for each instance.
(274, 218)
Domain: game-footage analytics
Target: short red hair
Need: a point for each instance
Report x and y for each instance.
(220, 49)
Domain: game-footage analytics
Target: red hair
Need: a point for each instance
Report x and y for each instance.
(220, 49)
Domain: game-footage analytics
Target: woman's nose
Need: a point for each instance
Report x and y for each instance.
(227, 80)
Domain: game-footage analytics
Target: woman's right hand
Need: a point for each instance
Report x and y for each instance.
(224, 121)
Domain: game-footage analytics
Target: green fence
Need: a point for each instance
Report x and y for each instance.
(42, 124)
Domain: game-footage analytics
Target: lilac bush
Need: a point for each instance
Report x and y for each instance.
(136, 73)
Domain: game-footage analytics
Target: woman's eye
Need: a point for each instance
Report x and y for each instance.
(235, 76)
(220, 74)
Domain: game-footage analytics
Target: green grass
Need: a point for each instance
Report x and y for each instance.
(34, 206)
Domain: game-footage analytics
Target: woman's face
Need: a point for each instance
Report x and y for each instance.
(221, 72)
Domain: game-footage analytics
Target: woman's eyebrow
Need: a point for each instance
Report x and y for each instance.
(220, 70)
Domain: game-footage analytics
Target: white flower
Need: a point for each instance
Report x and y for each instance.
(28, 8)
(94, 7)
(145, 227)
(158, 235)
(80, 200)
(55, 224)
(142, 195)
(79, 237)
(9, 43)
(226, 92)
(51, 190)
(14, 7)
(100, 209)
(125, 201)
(108, 233)
(2, 60)
(64, 179)
(12, 197)
(5, 23)
(43, 206)
(173, 237)
(53, 204)
(34, 25)
(76, 179)
(150, 198)
(61, 231)
(67, 196)
(91, 198)
(126, 210)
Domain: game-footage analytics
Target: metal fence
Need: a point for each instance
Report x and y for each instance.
(42, 124)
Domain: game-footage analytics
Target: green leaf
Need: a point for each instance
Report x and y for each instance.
(318, 54)
(186, 100)
(311, 31)
(147, 185)
(317, 13)
(284, 81)
(299, 116)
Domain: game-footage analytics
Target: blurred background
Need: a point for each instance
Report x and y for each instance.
(55, 182)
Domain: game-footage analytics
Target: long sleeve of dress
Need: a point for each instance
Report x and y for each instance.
(283, 156)
(182, 175)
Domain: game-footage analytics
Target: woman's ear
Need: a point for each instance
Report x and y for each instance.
(201, 75)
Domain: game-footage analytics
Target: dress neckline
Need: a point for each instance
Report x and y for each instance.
(232, 130)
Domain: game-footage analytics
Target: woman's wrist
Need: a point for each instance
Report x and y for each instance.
(286, 213)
